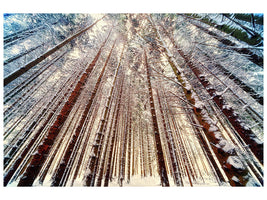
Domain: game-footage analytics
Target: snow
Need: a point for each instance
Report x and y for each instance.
(14, 183)
(213, 128)
(252, 183)
(199, 104)
(245, 126)
(138, 181)
(235, 162)
(218, 135)
(235, 179)
(226, 146)
(257, 140)
(222, 92)
(226, 107)
(198, 160)
(188, 87)
(78, 182)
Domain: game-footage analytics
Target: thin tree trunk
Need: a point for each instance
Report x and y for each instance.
(161, 162)
(112, 146)
(9, 60)
(33, 63)
(90, 179)
(234, 119)
(38, 159)
(174, 162)
(258, 60)
(60, 173)
(49, 119)
(201, 116)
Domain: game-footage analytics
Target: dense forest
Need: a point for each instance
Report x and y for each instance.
(133, 99)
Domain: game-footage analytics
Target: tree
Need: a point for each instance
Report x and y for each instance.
(133, 99)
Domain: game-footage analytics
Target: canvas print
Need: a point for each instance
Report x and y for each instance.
(125, 99)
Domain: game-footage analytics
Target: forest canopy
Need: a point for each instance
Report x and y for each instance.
(148, 99)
